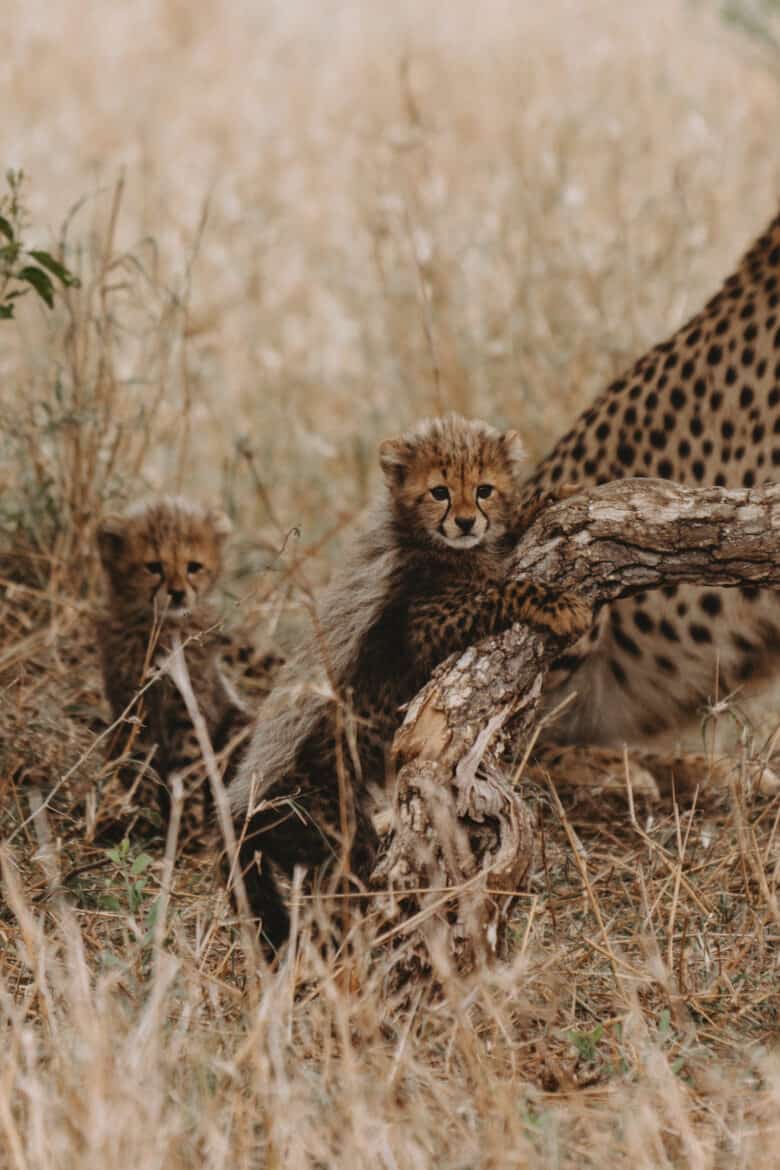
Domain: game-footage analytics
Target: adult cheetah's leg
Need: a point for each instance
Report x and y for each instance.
(592, 769)
(652, 775)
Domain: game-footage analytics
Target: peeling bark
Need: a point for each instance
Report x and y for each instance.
(461, 832)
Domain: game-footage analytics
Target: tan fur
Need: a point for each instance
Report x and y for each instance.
(162, 560)
(702, 408)
(182, 538)
(402, 523)
(424, 577)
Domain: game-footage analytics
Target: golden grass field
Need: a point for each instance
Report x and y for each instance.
(298, 228)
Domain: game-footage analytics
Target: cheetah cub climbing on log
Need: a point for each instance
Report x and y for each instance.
(161, 561)
(702, 408)
(425, 577)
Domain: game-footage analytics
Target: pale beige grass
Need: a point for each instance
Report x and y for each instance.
(332, 219)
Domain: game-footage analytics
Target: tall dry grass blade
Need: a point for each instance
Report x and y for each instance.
(175, 666)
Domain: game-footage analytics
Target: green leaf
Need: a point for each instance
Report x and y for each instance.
(6, 229)
(59, 270)
(152, 915)
(6, 312)
(39, 281)
(665, 1024)
(586, 1043)
(140, 864)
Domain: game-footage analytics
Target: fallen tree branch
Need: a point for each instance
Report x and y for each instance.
(643, 533)
(455, 824)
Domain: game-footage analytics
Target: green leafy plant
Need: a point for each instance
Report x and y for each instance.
(23, 268)
(586, 1043)
(130, 874)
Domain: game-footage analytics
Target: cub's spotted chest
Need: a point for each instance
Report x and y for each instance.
(161, 561)
(426, 577)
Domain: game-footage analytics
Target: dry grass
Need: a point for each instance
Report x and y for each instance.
(333, 219)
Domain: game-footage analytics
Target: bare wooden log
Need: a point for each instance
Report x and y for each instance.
(643, 533)
(458, 819)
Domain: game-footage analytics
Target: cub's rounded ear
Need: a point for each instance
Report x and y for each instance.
(111, 538)
(221, 523)
(514, 449)
(393, 459)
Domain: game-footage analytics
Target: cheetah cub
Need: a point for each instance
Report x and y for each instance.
(425, 577)
(161, 561)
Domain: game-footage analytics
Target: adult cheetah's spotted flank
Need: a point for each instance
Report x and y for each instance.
(702, 408)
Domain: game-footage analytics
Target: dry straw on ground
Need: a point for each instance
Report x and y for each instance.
(333, 219)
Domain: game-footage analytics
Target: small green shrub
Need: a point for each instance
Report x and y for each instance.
(23, 268)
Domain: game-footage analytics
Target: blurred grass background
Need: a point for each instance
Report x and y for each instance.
(336, 218)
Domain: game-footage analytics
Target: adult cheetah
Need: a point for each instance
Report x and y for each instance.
(702, 408)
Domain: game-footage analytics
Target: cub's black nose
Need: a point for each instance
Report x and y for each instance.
(465, 523)
(177, 596)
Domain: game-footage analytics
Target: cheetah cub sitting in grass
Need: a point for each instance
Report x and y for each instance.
(425, 577)
(161, 562)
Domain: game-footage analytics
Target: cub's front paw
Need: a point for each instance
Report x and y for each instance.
(566, 615)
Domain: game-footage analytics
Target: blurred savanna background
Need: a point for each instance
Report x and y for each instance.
(297, 227)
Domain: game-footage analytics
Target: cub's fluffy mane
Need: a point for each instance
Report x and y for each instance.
(380, 568)
(372, 577)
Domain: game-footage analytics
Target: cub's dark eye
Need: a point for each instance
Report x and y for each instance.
(440, 492)
(484, 490)
(194, 566)
(154, 567)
